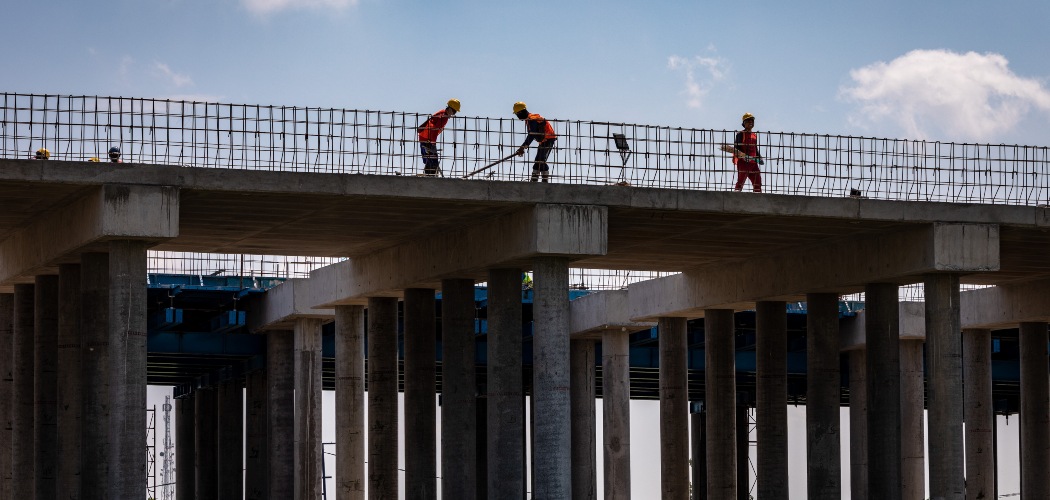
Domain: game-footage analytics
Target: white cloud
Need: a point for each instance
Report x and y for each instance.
(967, 96)
(162, 71)
(709, 69)
(268, 6)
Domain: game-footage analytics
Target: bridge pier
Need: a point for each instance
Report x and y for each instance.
(206, 446)
(185, 442)
(978, 414)
(553, 442)
(858, 424)
(944, 362)
(771, 399)
(823, 397)
(256, 454)
(913, 460)
(721, 404)
(69, 377)
(307, 419)
(382, 398)
(505, 402)
(280, 404)
(883, 365)
(95, 358)
(458, 391)
(350, 402)
(7, 311)
(230, 411)
(616, 414)
(45, 376)
(583, 395)
(22, 484)
(674, 408)
(1035, 411)
(420, 344)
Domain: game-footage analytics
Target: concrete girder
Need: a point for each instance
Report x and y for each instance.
(595, 314)
(843, 266)
(1005, 306)
(283, 304)
(107, 212)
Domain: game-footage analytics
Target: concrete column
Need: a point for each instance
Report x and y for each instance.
(823, 397)
(550, 374)
(674, 408)
(858, 424)
(882, 329)
(206, 436)
(68, 383)
(583, 393)
(94, 387)
(382, 398)
(771, 399)
(978, 414)
(743, 451)
(45, 377)
(720, 387)
(913, 463)
(506, 422)
(230, 413)
(458, 391)
(698, 445)
(420, 387)
(481, 479)
(1035, 411)
(22, 404)
(7, 312)
(280, 407)
(944, 358)
(256, 458)
(616, 415)
(307, 420)
(127, 390)
(350, 402)
(185, 448)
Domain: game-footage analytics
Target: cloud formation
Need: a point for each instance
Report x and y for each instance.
(270, 6)
(709, 69)
(162, 71)
(929, 93)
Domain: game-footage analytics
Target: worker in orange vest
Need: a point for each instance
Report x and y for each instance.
(540, 130)
(428, 134)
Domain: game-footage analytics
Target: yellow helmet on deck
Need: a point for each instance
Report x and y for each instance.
(43, 154)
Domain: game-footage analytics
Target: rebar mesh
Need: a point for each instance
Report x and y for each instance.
(306, 139)
(232, 264)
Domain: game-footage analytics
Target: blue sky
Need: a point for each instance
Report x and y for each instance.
(952, 71)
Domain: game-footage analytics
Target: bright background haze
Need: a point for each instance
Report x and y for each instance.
(964, 71)
(972, 71)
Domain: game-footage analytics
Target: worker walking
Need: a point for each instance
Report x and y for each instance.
(428, 134)
(540, 130)
(746, 141)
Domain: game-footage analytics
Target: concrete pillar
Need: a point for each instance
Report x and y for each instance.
(720, 387)
(350, 402)
(823, 397)
(1035, 411)
(45, 378)
(22, 404)
(185, 446)
(481, 415)
(7, 312)
(458, 391)
(68, 383)
(583, 393)
(230, 416)
(95, 366)
(420, 387)
(858, 424)
(550, 374)
(743, 451)
(616, 415)
(698, 445)
(280, 404)
(307, 420)
(674, 408)
(944, 359)
(382, 398)
(505, 402)
(882, 329)
(979, 415)
(127, 389)
(771, 399)
(256, 458)
(206, 436)
(913, 463)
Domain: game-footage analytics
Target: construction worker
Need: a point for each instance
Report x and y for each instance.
(526, 281)
(540, 130)
(428, 134)
(42, 154)
(746, 142)
(114, 155)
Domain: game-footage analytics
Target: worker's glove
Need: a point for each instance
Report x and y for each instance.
(760, 162)
(521, 151)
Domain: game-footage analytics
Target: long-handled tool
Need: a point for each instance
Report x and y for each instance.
(490, 165)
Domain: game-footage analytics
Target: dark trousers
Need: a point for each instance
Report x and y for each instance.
(539, 165)
(431, 163)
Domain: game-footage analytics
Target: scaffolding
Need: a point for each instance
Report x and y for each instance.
(151, 452)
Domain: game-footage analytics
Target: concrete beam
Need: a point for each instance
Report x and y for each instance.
(505, 241)
(912, 326)
(901, 257)
(1005, 306)
(281, 305)
(595, 314)
(110, 211)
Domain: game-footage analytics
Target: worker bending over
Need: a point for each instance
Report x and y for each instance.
(540, 130)
(428, 134)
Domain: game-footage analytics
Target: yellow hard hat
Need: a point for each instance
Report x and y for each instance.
(747, 116)
(94, 159)
(43, 154)
(518, 107)
(454, 104)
